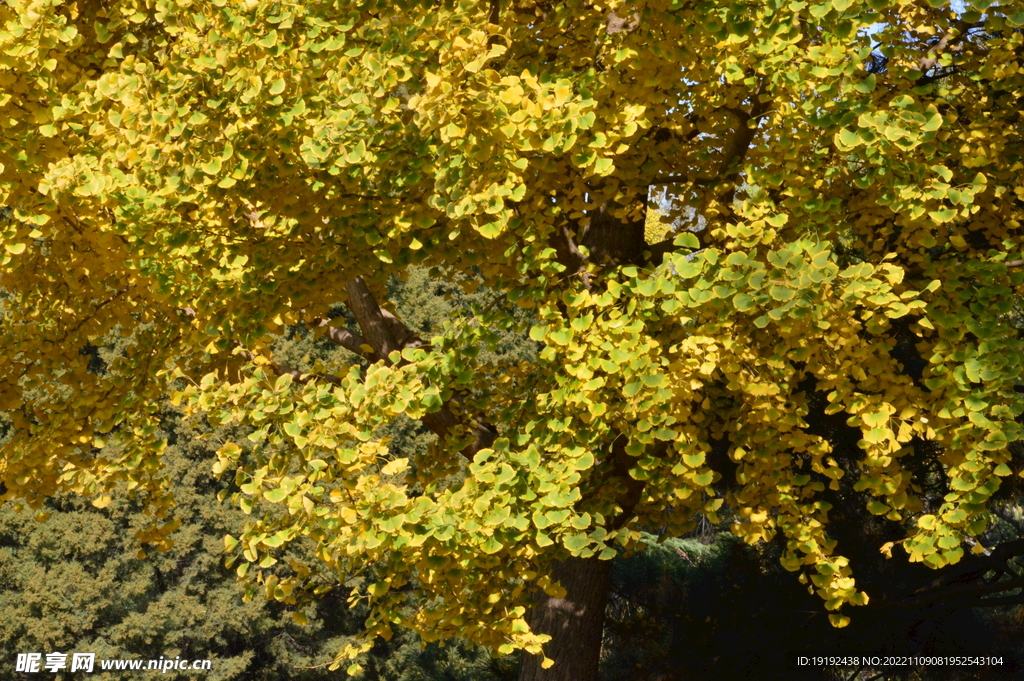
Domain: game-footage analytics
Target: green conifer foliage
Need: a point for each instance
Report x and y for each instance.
(73, 577)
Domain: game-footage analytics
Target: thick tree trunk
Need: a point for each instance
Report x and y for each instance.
(611, 238)
(575, 623)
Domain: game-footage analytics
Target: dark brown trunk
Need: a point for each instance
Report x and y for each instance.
(608, 237)
(575, 623)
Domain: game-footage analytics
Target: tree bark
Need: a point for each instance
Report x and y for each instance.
(386, 333)
(611, 238)
(575, 623)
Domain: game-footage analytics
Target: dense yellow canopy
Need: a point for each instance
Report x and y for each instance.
(845, 182)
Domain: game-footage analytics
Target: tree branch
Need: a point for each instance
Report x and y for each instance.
(352, 342)
(634, 489)
(917, 271)
(282, 369)
(659, 250)
(385, 333)
(965, 577)
(494, 19)
(974, 566)
(375, 327)
(734, 152)
(569, 253)
(953, 35)
(994, 602)
(742, 139)
(952, 594)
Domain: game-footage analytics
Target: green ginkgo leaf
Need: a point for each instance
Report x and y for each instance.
(211, 167)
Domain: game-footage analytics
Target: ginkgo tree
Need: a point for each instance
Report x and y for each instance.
(199, 174)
